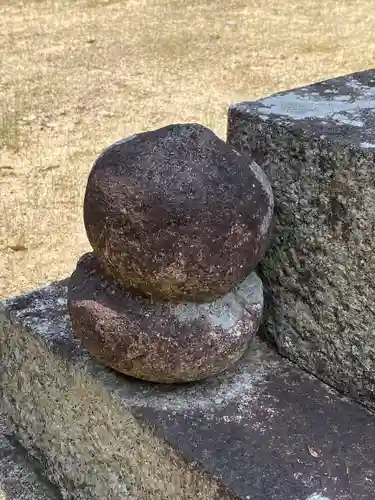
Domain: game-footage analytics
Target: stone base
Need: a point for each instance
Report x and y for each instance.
(264, 430)
(317, 146)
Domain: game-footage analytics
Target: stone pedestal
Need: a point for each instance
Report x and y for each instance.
(317, 146)
(263, 430)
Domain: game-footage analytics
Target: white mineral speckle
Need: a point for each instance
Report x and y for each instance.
(343, 98)
(367, 145)
(356, 85)
(317, 496)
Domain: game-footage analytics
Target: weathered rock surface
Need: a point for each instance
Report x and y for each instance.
(161, 342)
(178, 214)
(263, 430)
(317, 147)
(21, 476)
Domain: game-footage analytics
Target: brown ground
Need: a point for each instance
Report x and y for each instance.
(75, 75)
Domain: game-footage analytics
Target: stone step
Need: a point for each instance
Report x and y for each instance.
(264, 430)
(21, 478)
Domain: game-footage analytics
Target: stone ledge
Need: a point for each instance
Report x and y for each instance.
(317, 146)
(339, 109)
(263, 431)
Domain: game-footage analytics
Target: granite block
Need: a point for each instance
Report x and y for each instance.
(317, 146)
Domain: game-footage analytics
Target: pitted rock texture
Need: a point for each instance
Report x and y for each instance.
(161, 342)
(177, 214)
(21, 477)
(317, 146)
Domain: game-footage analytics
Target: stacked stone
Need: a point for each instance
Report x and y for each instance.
(178, 221)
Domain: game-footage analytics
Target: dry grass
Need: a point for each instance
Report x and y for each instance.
(78, 74)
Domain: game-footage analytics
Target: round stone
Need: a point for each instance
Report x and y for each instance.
(161, 342)
(177, 214)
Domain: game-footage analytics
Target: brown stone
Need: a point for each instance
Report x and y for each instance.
(177, 214)
(161, 342)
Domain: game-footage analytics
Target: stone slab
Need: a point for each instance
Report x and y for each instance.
(20, 477)
(317, 146)
(264, 430)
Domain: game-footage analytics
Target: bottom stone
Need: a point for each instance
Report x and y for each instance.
(161, 342)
